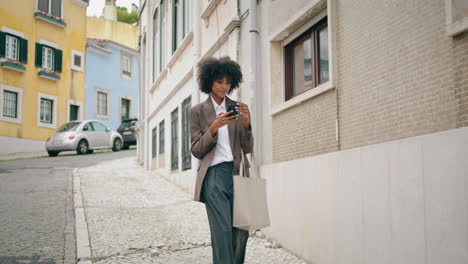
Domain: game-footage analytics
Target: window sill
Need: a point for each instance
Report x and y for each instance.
(302, 97)
(12, 65)
(47, 125)
(81, 3)
(161, 76)
(43, 73)
(49, 18)
(457, 28)
(209, 9)
(10, 119)
(176, 55)
(102, 117)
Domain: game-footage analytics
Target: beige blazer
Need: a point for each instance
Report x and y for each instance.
(201, 117)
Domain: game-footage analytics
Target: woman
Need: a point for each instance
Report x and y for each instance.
(218, 141)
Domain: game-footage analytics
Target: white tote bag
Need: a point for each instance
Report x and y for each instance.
(250, 202)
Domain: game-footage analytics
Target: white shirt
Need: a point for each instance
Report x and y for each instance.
(223, 152)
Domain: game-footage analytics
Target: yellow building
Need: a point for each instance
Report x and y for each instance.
(42, 73)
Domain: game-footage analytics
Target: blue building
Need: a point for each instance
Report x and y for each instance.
(112, 82)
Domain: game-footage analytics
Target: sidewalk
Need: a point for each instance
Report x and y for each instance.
(128, 215)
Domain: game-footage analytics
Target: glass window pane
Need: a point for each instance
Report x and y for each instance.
(46, 111)
(161, 137)
(302, 67)
(10, 102)
(99, 127)
(43, 5)
(57, 8)
(323, 55)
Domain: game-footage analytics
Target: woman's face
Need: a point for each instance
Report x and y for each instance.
(220, 89)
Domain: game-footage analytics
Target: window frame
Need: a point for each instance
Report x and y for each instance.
(73, 65)
(312, 34)
(54, 101)
(155, 43)
(7, 47)
(162, 35)
(50, 7)
(154, 142)
(161, 138)
(96, 103)
(45, 65)
(175, 140)
(186, 153)
(124, 56)
(19, 103)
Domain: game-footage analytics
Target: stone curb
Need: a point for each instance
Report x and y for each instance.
(83, 248)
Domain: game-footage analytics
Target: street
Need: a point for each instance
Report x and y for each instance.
(36, 207)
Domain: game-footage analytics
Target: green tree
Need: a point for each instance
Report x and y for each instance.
(125, 17)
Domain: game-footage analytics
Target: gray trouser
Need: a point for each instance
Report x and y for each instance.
(228, 243)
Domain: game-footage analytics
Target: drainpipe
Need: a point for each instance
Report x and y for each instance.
(196, 56)
(256, 107)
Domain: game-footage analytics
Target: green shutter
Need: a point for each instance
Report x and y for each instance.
(23, 49)
(58, 60)
(38, 55)
(2, 44)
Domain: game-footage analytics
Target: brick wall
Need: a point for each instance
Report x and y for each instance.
(395, 70)
(306, 129)
(460, 44)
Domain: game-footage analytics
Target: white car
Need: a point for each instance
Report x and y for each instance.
(84, 137)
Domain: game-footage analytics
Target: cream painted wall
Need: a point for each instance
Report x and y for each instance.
(403, 201)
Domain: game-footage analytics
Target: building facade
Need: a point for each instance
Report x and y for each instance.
(112, 81)
(359, 114)
(42, 75)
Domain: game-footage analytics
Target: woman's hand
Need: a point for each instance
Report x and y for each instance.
(245, 113)
(221, 120)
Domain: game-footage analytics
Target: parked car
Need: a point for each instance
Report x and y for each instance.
(84, 137)
(128, 132)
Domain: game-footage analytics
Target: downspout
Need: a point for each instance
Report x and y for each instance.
(196, 56)
(254, 82)
(147, 95)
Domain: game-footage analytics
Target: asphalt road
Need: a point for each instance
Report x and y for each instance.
(36, 207)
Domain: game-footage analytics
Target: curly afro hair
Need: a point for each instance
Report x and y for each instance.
(212, 69)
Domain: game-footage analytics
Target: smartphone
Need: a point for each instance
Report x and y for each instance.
(234, 110)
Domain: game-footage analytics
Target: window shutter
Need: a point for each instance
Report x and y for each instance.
(2, 44)
(38, 55)
(23, 48)
(58, 60)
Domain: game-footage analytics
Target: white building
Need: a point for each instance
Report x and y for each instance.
(359, 111)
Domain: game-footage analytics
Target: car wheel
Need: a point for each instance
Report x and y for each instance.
(83, 147)
(117, 144)
(53, 153)
(90, 151)
(126, 146)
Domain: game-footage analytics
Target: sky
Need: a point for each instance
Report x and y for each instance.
(95, 6)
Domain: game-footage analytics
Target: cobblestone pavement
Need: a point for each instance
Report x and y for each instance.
(36, 207)
(136, 217)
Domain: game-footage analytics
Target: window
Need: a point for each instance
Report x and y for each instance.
(161, 137)
(10, 104)
(48, 58)
(177, 25)
(11, 51)
(155, 42)
(74, 112)
(126, 65)
(162, 39)
(13, 47)
(46, 110)
(186, 155)
(154, 149)
(187, 17)
(306, 59)
(174, 140)
(53, 7)
(102, 103)
(125, 109)
(88, 127)
(77, 61)
(99, 127)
